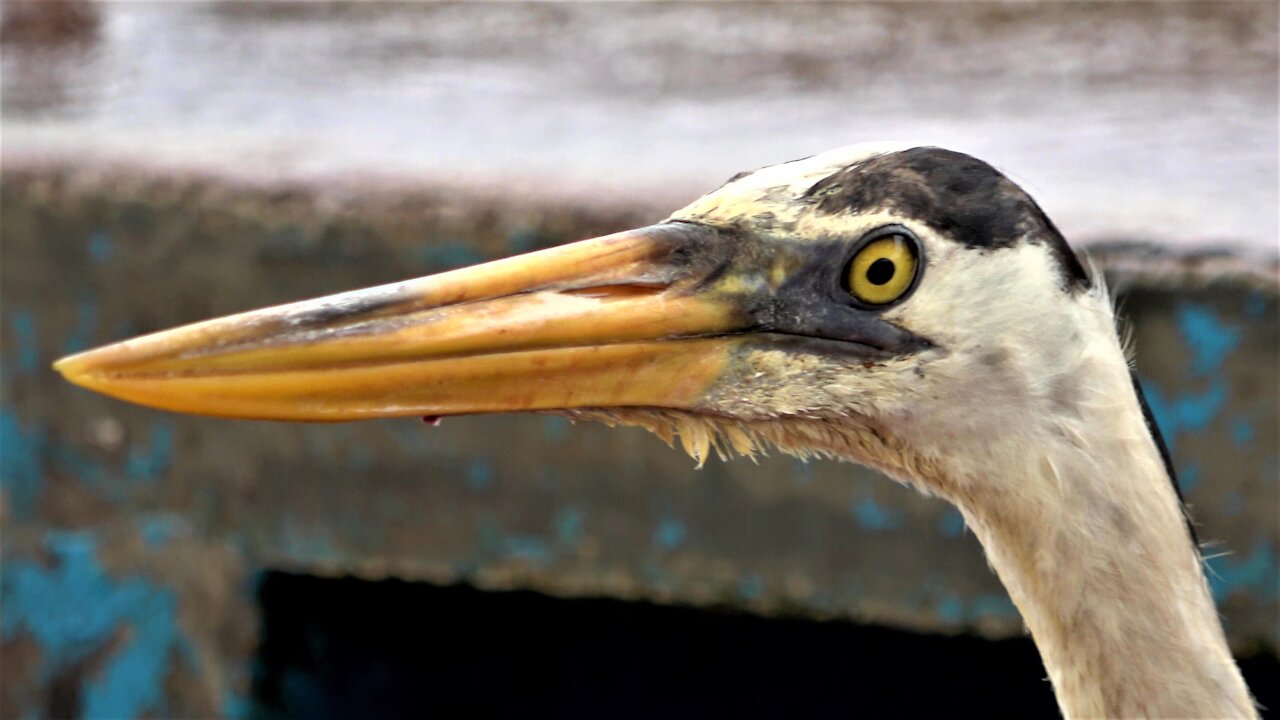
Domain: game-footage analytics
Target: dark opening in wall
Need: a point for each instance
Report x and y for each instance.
(347, 648)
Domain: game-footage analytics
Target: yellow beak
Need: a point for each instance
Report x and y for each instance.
(632, 319)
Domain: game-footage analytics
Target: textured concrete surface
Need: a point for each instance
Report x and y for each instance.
(133, 539)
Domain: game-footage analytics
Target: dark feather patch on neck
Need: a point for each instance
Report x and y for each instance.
(959, 196)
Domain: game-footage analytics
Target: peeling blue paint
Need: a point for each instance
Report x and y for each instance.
(1256, 572)
(951, 523)
(301, 540)
(480, 474)
(88, 471)
(1189, 477)
(76, 607)
(99, 246)
(21, 466)
(447, 255)
(1241, 431)
(86, 322)
(569, 527)
(555, 429)
(1210, 340)
(159, 528)
(874, 517)
(991, 605)
(670, 533)
(235, 705)
(413, 437)
(527, 547)
(24, 337)
(148, 463)
(950, 610)
(493, 544)
(524, 240)
(1188, 412)
(1255, 306)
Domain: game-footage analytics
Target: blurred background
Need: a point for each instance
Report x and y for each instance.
(164, 162)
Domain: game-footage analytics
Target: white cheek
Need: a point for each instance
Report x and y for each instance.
(1001, 347)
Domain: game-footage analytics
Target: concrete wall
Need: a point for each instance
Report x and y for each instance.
(133, 539)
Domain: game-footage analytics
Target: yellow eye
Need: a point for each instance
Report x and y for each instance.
(882, 270)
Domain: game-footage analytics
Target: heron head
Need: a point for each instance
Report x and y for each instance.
(871, 303)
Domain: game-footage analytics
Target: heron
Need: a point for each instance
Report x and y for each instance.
(902, 306)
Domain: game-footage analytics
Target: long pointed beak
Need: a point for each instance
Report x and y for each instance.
(630, 319)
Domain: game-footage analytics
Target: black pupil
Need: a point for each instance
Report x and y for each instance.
(881, 271)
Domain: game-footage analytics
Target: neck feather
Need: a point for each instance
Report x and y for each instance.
(1089, 537)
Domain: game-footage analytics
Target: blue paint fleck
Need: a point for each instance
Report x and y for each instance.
(875, 517)
(751, 587)
(412, 437)
(670, 534)
(950, 610)
(234, 705)
(555, 429)
(24, 336)
(76, 607)
(1257, 572)
(158, 529)
(1190, 412)
(569, 526)
(1241, 431)
(300, 540)
(993, 606)
(524, 240)
(1255, 306)
(21, 468)
(304, 694)
(86, 322)
(1210, 340)
(99, 246)
(951, 523)
(479, 474)
(87, 470)
(447, 255)
(148, 463)
(527, 547)
(1189, 478)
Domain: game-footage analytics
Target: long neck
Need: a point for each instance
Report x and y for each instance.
(1089, 538)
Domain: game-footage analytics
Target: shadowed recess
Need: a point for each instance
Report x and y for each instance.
(335, 648)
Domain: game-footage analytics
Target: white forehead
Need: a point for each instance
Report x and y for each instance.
(778, 185)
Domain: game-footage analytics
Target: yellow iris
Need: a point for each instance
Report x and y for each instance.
(882, 270)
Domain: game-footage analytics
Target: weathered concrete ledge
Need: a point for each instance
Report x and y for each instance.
(131, 536)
